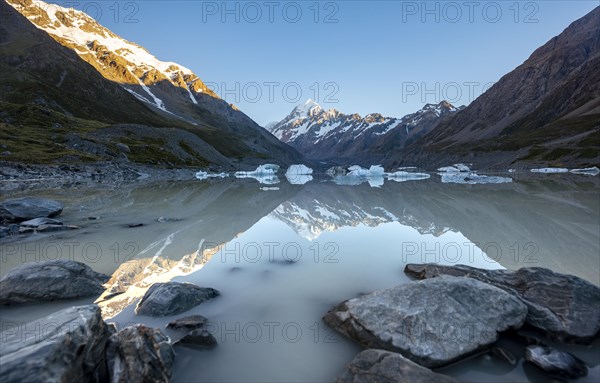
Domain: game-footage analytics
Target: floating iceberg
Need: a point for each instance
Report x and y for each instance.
(357, 175)
(205, 175)
(299, 174)
(511, 170)
(471, 178)
(456, 168)
(402, 176)
(299, 170)
(265, 174)
(373, 171)
(269, 188)
(550, 170)
(587, 171)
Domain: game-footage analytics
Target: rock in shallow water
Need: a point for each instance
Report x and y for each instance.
(378, 366)
(171, 298)
(556, 363)
(67, 346)
(139, 354)
(36, 222)
(22, 209)
(565, 307)
(191, 322)
(49, 281)
(199, 337)
(433, 322)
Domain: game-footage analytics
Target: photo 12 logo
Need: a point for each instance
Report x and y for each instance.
(274, 91)
(274, 252)
(469, 11)
(253, 12)
(126, 12)
(435, 92)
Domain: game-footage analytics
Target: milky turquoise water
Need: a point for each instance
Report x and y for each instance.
(282, 258)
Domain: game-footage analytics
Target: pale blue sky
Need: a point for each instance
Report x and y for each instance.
(361, 57)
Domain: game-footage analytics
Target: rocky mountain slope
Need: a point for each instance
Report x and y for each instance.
(70, 78)
(333, 136)
(545, 111)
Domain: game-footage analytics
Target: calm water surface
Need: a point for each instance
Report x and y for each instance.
(282, 258)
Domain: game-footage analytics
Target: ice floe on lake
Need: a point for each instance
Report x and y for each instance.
(456, 168)
(587, 171)
(299, 174)
(550, 170)
(357, 175)
(265, 174)
(376, 175)
(462, 174)
(201, 175)
(402, 176)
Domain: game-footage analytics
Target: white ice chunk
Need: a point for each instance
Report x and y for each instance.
(265, 174)
(402, 176)
(201, 175)
(269, 188)
(456, 168)
(550, 170)
(298, 170)
(357, 175)
(472, 178)
(587, 171)
(298, 179)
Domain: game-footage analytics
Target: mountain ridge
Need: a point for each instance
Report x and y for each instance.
(42, 88)
(330, 135)
(545, 111)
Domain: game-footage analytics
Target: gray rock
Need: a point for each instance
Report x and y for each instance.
(433, 322)
(123, 147)
(556, 363)
(66, 346)
(199, 337)
(61, 227)
(191, 322)
(22, 209)
(564, 307)
(171, 298)
(41, 221)
(139, 354)
(378, 366)
(49, 281)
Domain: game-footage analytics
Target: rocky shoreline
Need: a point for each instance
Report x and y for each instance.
(408, 331)
(19, 176)
(457, 311)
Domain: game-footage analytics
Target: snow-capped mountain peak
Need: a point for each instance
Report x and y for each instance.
(328, 135)
(309, 108)
(115, 58)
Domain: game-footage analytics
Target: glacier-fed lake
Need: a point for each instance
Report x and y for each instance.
(282, 255)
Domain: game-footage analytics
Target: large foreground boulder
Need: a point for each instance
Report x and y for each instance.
(49, 281)
(67, 346)
(378, 366)
(433, 322)
(140, 354)
(564, 307)
(171, 298)
(22, 209)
